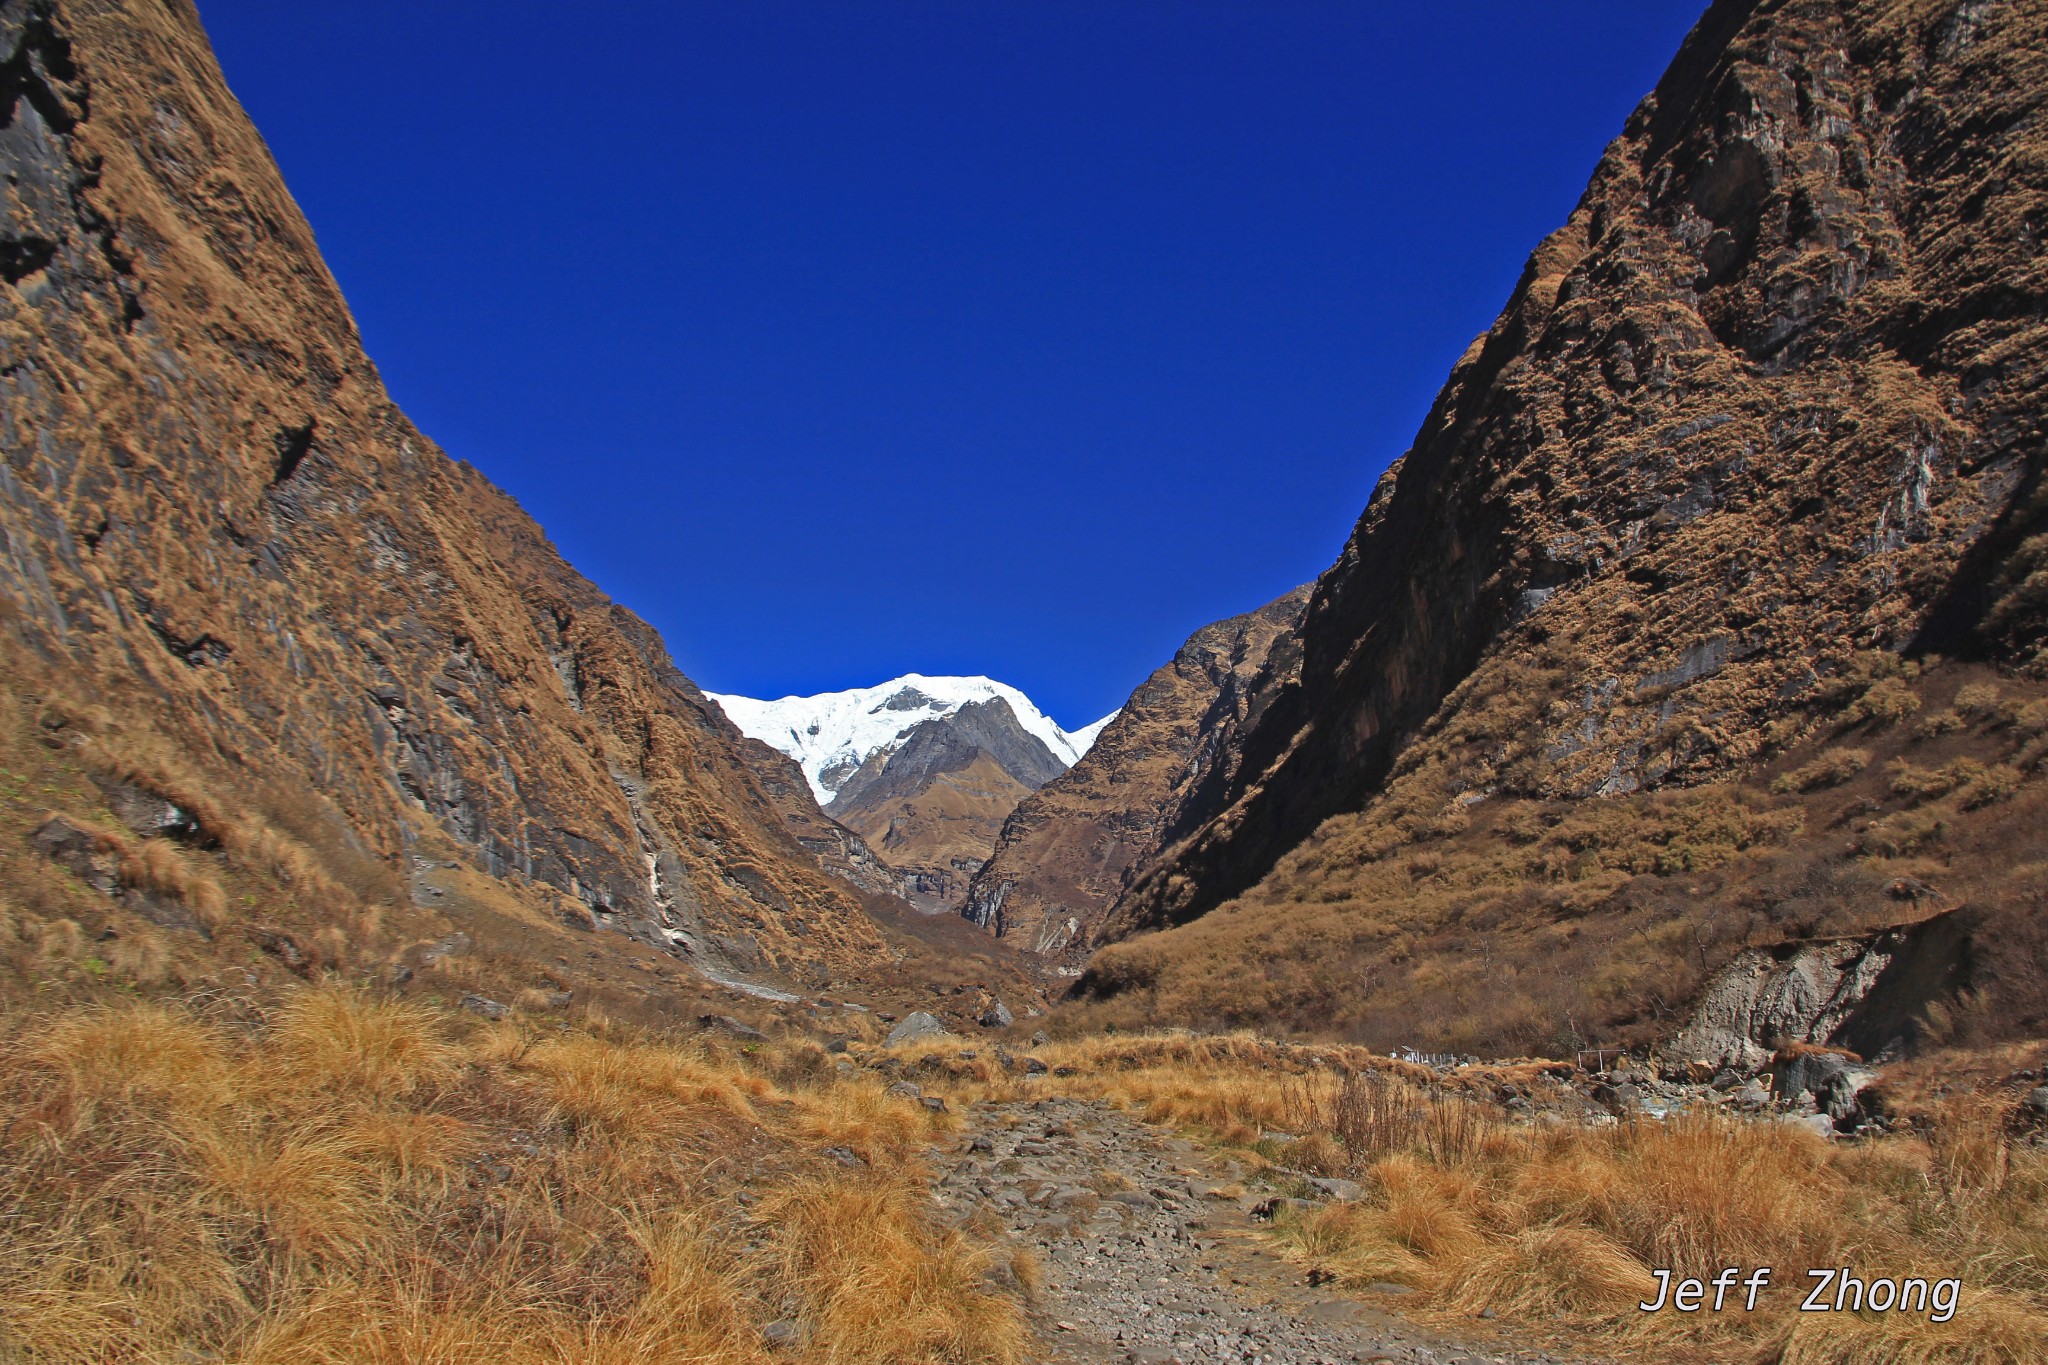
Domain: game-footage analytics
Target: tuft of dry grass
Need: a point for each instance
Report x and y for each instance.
(877, 1289)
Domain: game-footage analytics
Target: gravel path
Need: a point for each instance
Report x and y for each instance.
(1150, 1254)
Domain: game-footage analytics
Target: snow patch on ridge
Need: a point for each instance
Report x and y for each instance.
(833, 733)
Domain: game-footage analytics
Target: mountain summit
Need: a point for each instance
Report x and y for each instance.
(832, 734)
(925, 769)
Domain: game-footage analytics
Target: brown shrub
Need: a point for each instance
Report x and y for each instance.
(1829, 770)
(1885, 703)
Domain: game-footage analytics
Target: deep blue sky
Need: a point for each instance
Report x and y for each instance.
(848, 338)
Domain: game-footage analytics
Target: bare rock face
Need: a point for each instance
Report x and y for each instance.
(1068, 851)
(211, 511)
(1868, 993)
(1770, 397)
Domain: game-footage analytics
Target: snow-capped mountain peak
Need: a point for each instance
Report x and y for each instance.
(831, 734)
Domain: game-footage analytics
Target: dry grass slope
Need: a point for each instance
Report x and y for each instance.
(1465, 910)
(333, 1177)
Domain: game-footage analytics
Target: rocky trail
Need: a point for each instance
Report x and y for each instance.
(1151, 1252)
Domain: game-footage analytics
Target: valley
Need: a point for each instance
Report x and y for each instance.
(1626, 858)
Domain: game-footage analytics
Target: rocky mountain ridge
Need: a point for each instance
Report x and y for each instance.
(1066, 853)
(219, 530)
(1756, 437)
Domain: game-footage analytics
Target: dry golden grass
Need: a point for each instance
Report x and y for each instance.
(1558, 1226)
(857, 1250)
(339, 1178)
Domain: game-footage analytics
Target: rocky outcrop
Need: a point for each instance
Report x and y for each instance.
(1156, 770)
(212, 515)
(1770, 397)
(1874, 995)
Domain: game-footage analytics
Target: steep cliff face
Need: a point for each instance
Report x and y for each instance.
(1157, 769)
(212, 511)
(1764, 414)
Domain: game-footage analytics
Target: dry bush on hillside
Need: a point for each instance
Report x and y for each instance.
(1886, 703)
(1829, 770)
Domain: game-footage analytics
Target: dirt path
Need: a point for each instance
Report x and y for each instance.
(1150, 1254)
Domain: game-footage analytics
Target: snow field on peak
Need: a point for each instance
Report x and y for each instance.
(835, 732)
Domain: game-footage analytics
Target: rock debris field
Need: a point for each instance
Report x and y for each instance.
(1150, 1250)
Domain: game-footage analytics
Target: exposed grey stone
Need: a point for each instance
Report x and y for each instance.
(1820, 1125)
(144, 812)
(915, 1026)
(1620, 1097)
(487, 1007)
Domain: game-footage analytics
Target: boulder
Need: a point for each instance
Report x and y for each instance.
(1820, 1125)
(916, 1027)
(997, 1015)
(1618, 1097)
(1751, 1097)
(1832, 1079)
(487, 1007)
(1345, 1191)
